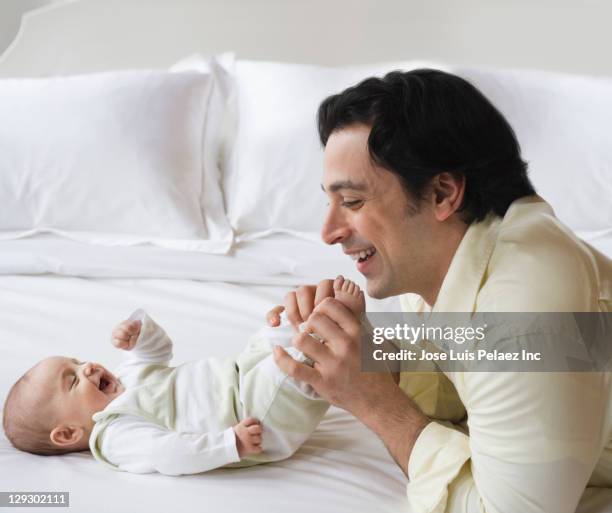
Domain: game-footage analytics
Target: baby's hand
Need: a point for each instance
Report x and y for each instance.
(125, 334)
(248, 437)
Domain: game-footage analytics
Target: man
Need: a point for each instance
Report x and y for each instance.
(428, 192)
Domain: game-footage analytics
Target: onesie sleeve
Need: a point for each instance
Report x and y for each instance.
(153, 344)
(135, 445)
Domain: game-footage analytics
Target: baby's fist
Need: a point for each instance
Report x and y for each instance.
(248, 437)
(126, 334)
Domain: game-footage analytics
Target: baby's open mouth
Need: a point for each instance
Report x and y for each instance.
(107, 384)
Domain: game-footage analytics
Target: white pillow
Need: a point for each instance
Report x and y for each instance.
(562, 123)
(215, 134)
(273, 176)
(111, 158)
(272, 182)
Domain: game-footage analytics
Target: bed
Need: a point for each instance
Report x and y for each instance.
(341, 468)
(61, 292)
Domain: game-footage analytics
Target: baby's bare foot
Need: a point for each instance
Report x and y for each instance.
(350, 295)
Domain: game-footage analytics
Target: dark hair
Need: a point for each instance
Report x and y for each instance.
(424, 122)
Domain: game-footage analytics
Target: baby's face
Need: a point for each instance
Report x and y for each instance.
(77, 389)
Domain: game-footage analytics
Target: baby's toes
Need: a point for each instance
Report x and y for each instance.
(351, 297)
(338, 283)
(350, 287)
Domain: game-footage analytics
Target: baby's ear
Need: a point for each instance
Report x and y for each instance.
(65, 436)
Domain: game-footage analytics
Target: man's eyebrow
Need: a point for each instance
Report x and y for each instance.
(345, 184)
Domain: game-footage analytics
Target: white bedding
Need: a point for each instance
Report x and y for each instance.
(274, 260)
(343, 467)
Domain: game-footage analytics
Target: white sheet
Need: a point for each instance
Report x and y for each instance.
(274, 260)
(342, 468)
(279, 260)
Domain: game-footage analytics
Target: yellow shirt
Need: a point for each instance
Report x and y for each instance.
(536, 440)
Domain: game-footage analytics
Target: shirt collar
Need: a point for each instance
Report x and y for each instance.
(466, 272)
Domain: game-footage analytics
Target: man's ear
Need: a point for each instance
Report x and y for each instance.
(65, 436)
(448, 190)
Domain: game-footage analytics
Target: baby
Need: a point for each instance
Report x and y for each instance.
(151, 417)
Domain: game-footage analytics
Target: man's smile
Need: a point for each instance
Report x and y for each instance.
(362, 254)
(363, 258)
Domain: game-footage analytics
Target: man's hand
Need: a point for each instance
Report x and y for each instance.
(336, 374)
(248, 437)
(125, 334)
(373, 397)
(300, 303)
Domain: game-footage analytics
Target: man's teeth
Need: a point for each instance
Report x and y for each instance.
(362, 255)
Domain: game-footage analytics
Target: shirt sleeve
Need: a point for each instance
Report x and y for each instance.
(534, 439)
(153, 344)
(138, 446)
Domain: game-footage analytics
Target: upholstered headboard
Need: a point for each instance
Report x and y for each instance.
(90, 35)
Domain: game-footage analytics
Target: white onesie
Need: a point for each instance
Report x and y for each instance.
(178, 420)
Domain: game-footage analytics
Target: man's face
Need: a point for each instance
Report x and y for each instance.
(371, 215)
(76, 389)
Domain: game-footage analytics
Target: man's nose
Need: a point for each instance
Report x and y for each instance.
(335, 229)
